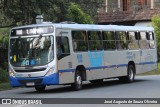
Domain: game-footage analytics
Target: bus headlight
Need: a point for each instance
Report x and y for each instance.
(50, 71)
(11, 73)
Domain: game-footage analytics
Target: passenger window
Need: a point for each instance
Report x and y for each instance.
(132, 41)
(108, 40)
(121, 41)
(143, 42)
(151, 40)
(79, 41)
(94, 40)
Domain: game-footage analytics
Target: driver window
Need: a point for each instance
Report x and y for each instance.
(62, 46)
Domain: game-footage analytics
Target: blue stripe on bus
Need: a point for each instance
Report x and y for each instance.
(67, 70)
(103, 67)
(145, 63)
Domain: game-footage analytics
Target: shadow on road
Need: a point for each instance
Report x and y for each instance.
(86, 86)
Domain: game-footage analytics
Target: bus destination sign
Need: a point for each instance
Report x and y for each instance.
(32, 31)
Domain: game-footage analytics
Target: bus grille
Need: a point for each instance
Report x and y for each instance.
(31, 70)
(36, 81)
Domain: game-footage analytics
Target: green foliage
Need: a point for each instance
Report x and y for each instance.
(24, 12)
(89, 6)
(4, 20)
(75, 13)
(5, 86)
(3, 75)
(156, 25)
(4, 34)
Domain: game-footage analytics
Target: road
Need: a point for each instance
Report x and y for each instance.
(143, 87)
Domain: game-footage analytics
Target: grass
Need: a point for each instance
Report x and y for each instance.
(152, 72)
(4, 80)
(5, 86)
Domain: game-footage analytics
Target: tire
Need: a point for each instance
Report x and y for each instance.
(77, 85)
(130, 75)
(40, 88)
(99, 81)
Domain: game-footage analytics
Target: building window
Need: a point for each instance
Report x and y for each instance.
(145, 2)
(142, 2)
(126, 5)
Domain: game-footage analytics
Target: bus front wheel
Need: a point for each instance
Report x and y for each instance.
(77, 85)
(40, 88)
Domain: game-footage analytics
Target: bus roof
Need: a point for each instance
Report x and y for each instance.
(92, 27)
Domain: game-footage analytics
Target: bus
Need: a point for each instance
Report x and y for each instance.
(68, 54)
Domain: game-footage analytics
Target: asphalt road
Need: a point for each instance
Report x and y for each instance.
(143, 87)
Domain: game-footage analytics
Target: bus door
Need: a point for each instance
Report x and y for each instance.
(65, 65)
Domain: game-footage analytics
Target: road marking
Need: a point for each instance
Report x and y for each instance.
(21, 105)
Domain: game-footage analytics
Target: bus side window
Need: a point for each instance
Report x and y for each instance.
(151, 40)
(62, 47)
(108, 40)
(132, 41)
(79, 41)
(94, 40)
(121, 40)
(143, 41)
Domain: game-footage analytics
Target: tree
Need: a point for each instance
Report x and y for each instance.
(24, 12)
(90, 7)
(4, 34)
(156, 25)
(76, 14)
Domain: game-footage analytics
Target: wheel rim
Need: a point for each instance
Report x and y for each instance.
(131, 74)
(79, 81)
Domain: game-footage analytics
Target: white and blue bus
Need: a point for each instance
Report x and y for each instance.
(53, 54)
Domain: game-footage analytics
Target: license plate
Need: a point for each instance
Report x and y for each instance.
(30, 84)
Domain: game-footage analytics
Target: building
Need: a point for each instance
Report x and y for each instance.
(128, 12)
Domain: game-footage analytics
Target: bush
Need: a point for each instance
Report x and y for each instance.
(4, 76)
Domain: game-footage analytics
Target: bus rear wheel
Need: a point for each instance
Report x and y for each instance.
(40, 88)
(77, 85)
(130, 75)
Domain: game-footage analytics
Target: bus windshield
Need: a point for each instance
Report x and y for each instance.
(33, 51)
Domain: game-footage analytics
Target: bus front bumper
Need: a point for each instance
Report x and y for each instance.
(23, 81)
